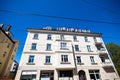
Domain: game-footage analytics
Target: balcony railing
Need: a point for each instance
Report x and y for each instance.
(105, 64)
(98, 43)
(65, 78)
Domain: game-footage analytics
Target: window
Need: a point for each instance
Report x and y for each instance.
(31, 59)
(78, 59)
(48, 47)
(94, 74)
(86, 39)
(88, 48)
(61, 37)
(8, 45)
(95, 40)
(76, 48)
(92, 59)
(49, 37)
(35, 36)
(63, 45)
(75, 38)
(34, 46)
(47, 59)
(4, 54)
(15, 49)
(64, 58)
(12, 58)
(102, 59)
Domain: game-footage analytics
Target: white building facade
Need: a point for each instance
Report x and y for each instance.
(65, 54)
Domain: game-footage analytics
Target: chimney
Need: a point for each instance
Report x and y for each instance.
(1, 25)
(8, 27)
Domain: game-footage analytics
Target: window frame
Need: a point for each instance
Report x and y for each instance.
(94, 73)
(64, 58)
(47, 59)
(49, 37)
(77, 48)
(92, 59)
(63, 45)
(35, 36)
(74, 37)
(33, 46)
(79, 59)
(89, 48)
(31, 59)
(86, 39)
(48, 47)
(62, 37)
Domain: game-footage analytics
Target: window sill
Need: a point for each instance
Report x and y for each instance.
(75, 40)
(78, 51)
(35, 39)
(47, 63)
(64, 48)
(33, 49)
(65, 62)
(94, 63)
(80, 63)
(50, 39)
(30, 63)
(90, 51)
(48, 50)
(63, 40)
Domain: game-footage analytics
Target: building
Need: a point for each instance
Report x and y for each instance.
(8, 48)
(13, 69)
(65, 54)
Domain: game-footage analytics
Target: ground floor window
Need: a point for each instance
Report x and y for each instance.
(47, 75)
(94, 74)
(28, 75)
(66, 73)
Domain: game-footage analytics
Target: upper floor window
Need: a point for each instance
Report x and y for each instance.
(48, 47)
(35, 36)
(78, 59)
(95, 39)
(63, 45)
(8, 45)
(47, 60)
(62, 37)
(31, 59)
(92, 59)
(4, 54)
(49, 37)
(64, 58)
(74, 37)
(102, 59)
(33, 47)
(86, 39)
(76, 48)
(88, 48)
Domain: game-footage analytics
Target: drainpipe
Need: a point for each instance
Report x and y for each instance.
(75, 70)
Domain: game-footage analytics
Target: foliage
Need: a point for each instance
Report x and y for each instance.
(114, 51)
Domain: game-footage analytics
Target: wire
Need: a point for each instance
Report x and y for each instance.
(91, 3)
(59, 17)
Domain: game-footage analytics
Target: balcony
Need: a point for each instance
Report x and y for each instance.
(108, 67)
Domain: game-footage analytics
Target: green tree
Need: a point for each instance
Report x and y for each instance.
(114, 51)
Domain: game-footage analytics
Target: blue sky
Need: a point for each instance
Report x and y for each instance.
(101, 16)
